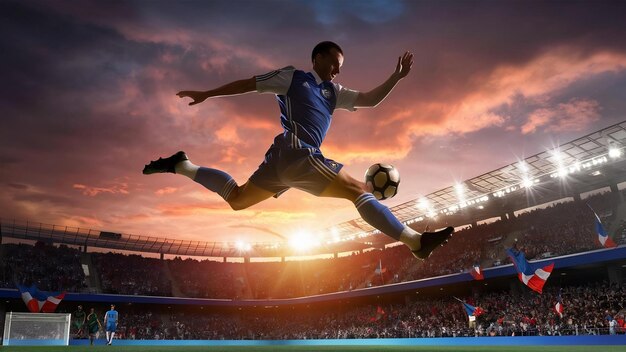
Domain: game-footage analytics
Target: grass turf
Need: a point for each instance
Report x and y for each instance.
(315, 348)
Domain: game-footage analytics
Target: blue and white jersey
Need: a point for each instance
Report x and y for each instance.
(306, 102)
(111, 317)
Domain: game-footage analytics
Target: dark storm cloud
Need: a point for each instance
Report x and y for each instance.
(59, 72)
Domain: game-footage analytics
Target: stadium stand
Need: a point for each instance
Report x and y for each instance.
(378, 290)
(50, 268)
(588, 311)
(131, 274)
(559, 229)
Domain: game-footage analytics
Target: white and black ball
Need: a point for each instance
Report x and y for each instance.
(383, 180)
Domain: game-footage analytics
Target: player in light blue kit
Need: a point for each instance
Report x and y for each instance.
(307, 101)
(110, 323)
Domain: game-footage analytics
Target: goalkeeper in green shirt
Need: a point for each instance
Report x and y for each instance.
(78, 322)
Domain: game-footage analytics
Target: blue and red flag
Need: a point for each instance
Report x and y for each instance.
(470, 309)
(534, 279)
(603, 237)
(476, 272)
(39, 301)
(558, 307)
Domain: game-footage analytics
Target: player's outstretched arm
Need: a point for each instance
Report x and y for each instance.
(234, 88)
(378, 94)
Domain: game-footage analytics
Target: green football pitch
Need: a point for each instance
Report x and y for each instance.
(317, 348)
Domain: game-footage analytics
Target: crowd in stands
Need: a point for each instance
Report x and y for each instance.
(590, 309)
(132, 274)
(594, 308)
(50, 268)
(556, 230)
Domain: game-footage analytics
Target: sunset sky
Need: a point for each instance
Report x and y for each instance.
(88, 97)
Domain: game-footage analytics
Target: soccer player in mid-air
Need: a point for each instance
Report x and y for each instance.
(307, 101)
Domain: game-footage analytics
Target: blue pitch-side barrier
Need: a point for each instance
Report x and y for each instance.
(441, 341)
(572, 260)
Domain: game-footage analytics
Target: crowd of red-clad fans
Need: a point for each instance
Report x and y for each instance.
(592, 309)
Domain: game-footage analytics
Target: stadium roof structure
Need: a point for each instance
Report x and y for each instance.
(585, 153)
(584, 156)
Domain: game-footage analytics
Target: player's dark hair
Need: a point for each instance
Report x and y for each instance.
(324, 48)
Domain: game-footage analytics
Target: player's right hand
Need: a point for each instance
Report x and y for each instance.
(198, 97)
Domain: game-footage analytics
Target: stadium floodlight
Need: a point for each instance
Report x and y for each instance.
(243, 246)
(614, 152)
(273, 246)
(499, 194)
(460, 189)
(523, 166)
(303, 241)
(575, 167)
(557, 155)
(423, 204)
(335, 234)
(527, 183)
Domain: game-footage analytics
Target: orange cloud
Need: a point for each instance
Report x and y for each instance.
(474, 108)
(571, 116)
(166, 190)
(228, 133)
(121, 188)
(81, 221)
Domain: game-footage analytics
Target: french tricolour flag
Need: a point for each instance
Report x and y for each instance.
(558, 307)
(534, 279)
(603, 237)
(476, 272)
(470, 309)
(38, 301)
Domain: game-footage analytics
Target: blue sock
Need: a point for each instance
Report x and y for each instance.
(216, 180)
(378, 215)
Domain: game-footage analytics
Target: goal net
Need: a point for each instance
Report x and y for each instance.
(36, 329)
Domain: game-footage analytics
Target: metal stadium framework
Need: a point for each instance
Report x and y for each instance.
(583, 157)
(585, 153)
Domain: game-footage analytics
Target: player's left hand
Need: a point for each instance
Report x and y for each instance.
(405, 62)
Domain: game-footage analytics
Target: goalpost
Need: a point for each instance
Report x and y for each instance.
(36, 329)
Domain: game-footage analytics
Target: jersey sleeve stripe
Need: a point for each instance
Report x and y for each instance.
(266, 76)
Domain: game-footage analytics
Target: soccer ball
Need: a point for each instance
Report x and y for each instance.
(383, 180)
